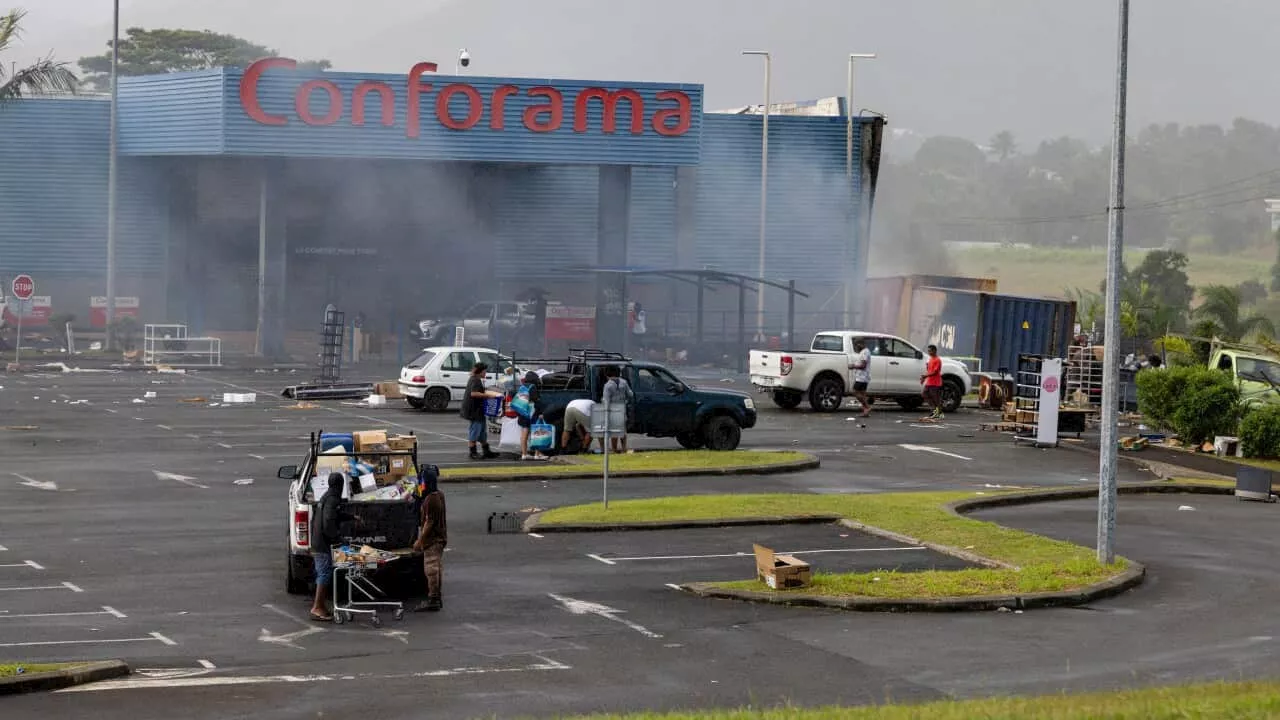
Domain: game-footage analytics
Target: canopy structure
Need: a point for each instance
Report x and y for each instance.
(713, 279)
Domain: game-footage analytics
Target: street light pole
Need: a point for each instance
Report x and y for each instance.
(1111, 355)
(111, 171)
(764, 186)
(858, 272)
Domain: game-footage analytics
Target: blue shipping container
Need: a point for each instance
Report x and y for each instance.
(991, 327)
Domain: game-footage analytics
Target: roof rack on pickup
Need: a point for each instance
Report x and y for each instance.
(596, 354)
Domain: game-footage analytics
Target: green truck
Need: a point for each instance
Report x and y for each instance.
(1256, 372)
(665, 406)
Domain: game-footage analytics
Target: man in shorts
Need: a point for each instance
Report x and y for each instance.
(932, 381)
(577, 422)
(861, 366)
(473, 412)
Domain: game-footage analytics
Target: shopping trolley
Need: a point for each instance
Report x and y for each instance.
(351, 569)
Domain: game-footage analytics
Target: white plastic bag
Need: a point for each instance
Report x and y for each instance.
(510, 438)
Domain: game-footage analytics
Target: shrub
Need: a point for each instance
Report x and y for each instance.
(1260, 432)
(1194, 402)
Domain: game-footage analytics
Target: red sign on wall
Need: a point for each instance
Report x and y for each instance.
(566, 322)
(35, 311)
(461, 106)
(124, 306)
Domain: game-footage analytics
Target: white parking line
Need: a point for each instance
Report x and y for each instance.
(207, 665)
(163, 639)
(164, 427)
(25, 564)
(542, 664)
(3, 549)
(63, 586)
(153, 637)
(104, 611)
(256, 457)
(615, 561)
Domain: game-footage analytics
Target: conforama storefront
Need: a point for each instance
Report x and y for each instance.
(250, 198)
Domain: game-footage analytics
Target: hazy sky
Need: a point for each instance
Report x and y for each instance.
(966, 67)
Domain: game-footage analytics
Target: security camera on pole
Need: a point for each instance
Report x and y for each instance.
(23, 288)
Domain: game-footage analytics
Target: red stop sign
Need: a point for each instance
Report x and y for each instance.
(24, 287)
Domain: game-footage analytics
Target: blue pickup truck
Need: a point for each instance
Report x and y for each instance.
(665, 406)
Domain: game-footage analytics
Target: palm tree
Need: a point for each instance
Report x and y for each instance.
(1221, 307)
(1003, 145)
(44, 77)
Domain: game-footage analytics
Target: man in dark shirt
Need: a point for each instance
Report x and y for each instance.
(473, 412)
(324, 535)
(432, 538)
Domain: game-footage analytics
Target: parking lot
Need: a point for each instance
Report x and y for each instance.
(152, 529)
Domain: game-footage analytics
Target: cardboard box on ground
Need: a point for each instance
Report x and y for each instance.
(390, 390)
(780, 571)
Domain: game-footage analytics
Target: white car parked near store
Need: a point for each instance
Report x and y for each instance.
(438, 376)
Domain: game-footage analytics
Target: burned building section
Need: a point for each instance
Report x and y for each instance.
(249, 199)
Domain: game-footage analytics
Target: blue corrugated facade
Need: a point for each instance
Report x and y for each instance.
(191, 162)
(53, 199)
(811, 208)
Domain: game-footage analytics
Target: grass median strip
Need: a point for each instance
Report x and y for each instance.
(11, 670)
(1211, 700)
(1043, 564)
(659, 461)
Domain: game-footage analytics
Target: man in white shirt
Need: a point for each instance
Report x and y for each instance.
(861, 366)
(577, 421)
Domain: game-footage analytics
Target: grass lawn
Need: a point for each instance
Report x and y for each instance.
(1048, 271)
(29, 668)
(1239, 701)
(1043, 564)
(685, 460)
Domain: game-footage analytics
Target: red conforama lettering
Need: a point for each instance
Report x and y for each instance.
(672, 117)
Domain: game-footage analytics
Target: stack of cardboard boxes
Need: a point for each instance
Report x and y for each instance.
(382, 465)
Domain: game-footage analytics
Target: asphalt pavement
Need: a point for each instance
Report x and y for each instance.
(153, 529)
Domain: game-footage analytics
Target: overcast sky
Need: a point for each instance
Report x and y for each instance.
(1042, 68)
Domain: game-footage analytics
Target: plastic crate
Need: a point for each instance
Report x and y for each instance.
(505, 522)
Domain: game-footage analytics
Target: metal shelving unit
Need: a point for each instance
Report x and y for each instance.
(1084, 377)
(1037, 396)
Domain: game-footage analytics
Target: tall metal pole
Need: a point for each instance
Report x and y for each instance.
(111, 171)
(764, 184)
(850, 283)
(1111, 355)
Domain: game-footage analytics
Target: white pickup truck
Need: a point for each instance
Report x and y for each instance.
(823, 376)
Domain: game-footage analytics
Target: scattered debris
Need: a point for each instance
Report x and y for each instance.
(239, 398)
(1003, 609)
(170, 371)
(302, 406)
(1137, 443)
(243, 481)
(21, 427)
(194, 400)
(149, 395)
(1185, 508)
(531, 510)
(77, 402)
(139, 401)
(95, 345)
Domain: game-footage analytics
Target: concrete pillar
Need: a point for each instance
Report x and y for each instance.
(181, 288)
(611, 250)
(272, 258)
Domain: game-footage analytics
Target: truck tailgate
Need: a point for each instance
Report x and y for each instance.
(385, 525)
(765, 367)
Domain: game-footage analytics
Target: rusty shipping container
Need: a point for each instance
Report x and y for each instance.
(888, 299)
(992, 328)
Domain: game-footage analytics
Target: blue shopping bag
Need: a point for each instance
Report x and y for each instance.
(542, 436)
(493, 407)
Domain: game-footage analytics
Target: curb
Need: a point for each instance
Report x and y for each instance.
(1129, 578)
(534, 524)
(811, 462)
(58, 679)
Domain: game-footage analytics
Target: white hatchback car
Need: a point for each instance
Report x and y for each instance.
(438, 376)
